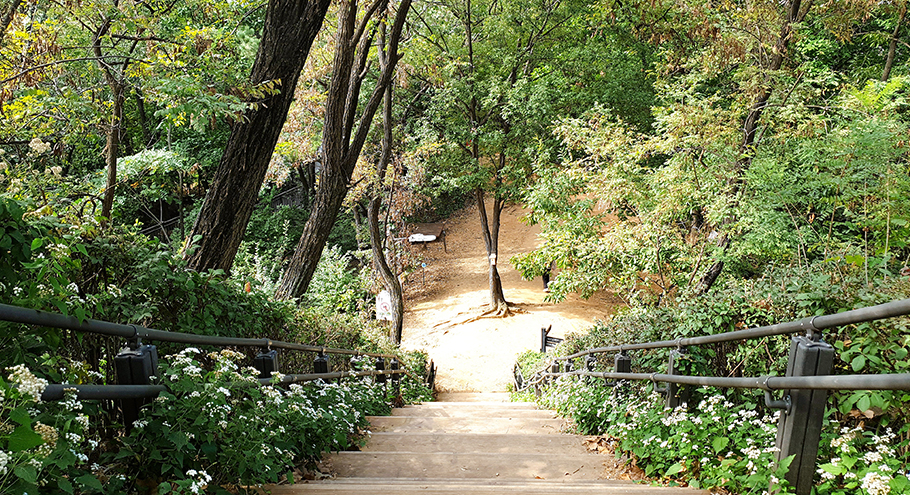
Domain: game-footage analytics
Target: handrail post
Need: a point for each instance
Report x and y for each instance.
(622, 363)
(799, 430)
(266, 363)
(676, 395)
(380, 366)
(135, 364)
(394, 365)
(321, 363)
(543, 339)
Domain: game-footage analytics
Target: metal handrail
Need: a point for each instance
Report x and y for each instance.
(806, 384)
(97, 392)
(28, 316)
(825, 382)
(812, 323)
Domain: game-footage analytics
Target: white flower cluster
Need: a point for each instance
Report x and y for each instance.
(876, 484)
(200, 480)
(4, 461)
(38, 146)
(27, 383)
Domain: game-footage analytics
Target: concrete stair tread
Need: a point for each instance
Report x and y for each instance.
(475, 442)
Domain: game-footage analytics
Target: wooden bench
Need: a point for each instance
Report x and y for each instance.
(424, 233)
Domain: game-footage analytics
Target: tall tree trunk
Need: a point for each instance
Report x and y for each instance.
(892, 47)
(340, 143)
(114, 129)
(377, 240)
(114, 135)
(290, 28)
(748, 146)
(489, 228)
(389, 278)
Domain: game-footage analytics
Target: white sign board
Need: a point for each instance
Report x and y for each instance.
(384, 306)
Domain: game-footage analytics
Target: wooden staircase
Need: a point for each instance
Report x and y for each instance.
(471, 444)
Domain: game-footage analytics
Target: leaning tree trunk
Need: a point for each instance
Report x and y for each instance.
(748, 145)
(290, 28)
(892, 47)
(340, 143)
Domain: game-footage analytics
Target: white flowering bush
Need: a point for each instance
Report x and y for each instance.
(219, 426)
(44, 446)
(856, 460)
(718, 444)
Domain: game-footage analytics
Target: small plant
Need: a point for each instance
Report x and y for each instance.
(43, 445)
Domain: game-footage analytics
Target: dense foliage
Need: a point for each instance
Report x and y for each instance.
(715, 165)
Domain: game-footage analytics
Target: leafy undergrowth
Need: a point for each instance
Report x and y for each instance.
(214, 430)
(725, 438)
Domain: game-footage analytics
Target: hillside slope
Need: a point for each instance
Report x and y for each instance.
(478, 355)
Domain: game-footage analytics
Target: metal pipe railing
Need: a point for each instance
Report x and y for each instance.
(806, 383)
(118, 392)
(814, 323)
(28, 316)
(827, 382)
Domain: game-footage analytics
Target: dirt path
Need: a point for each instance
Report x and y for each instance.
(478, 356)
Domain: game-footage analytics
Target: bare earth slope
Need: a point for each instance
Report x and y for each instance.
(478, 356)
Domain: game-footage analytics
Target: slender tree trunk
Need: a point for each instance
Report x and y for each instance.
(748, 146)
(389, 278)
(290, 28)
(114, 135)
(892, 47)
(340, 143)
(489, 228)
(377, 239)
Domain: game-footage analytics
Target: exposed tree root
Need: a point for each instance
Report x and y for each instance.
(499, 311)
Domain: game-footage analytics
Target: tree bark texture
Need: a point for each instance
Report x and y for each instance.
(489, 228)
(341, 144)
(795, 14)
(290, 28)
(377, 240)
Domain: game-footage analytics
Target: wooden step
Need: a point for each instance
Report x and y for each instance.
(410, 424)
(473, 442)
(390, 486)
(471, 465)
(473, 397)
(473, 412)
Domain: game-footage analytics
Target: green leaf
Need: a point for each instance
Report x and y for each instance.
(863, 403)
(832, 469)
(27, 473)
(37, 243)
(858, 363)
(65, 485)
(720, 443)
(90, 481)
(673, 470)
(24, 438)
